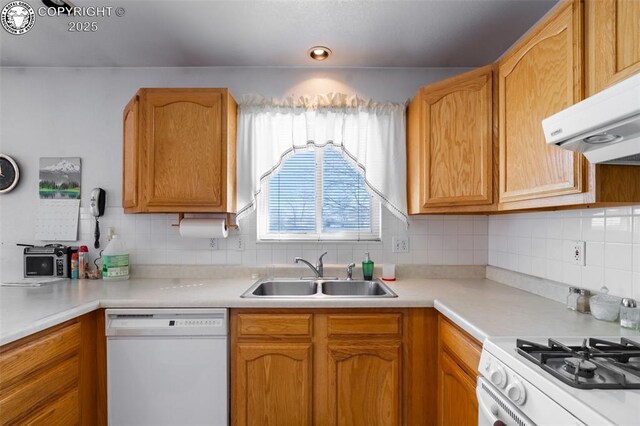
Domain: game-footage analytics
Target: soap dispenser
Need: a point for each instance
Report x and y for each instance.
(367, 268)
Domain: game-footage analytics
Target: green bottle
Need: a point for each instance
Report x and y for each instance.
(367, 268)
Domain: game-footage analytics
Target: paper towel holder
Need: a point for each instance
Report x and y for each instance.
(229, 221)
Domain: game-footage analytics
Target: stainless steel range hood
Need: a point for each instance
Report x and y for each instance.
(604, 127)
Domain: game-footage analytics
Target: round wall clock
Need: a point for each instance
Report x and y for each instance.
(9, 173)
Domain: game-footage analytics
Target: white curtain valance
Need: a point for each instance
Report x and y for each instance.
(370, 133)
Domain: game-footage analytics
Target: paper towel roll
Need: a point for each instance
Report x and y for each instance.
(203, 228)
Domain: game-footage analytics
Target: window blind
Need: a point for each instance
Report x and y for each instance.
(346, 204)
(292, 195)
(319, 195)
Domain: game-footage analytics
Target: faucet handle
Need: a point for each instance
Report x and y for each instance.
(320, 265)
(350, 271)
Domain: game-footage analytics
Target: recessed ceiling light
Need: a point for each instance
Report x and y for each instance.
(319, 53)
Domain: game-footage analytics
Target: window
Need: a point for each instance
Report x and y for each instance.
(318, 195)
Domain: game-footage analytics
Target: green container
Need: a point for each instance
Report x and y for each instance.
(367, 268)
(115, 261)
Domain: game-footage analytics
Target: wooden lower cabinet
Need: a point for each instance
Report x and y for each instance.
(365, 383)
(458, 359)
(51, 377)
(333, 367)
(457, 394)
(274, 383)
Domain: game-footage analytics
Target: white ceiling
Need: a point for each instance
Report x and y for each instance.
(184, 33)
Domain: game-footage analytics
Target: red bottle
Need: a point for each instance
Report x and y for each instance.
(83, 262)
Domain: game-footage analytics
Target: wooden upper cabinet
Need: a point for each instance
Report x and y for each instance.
(184, 141)
(130, 157)
(543, 74)
(450, 145)
(540, 76)
(613, 42)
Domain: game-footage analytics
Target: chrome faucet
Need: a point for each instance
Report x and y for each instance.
(318, 269)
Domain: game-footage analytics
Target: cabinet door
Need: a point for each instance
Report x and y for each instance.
(364, 383)
(457, 151)
(613, 41)
(538, 78)
(272, 384)
(50, 377)
(185, 150)
(457, 402)
(130, 157)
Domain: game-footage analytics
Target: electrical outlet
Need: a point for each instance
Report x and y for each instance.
(213, 244)
(577, 253)
(400, 245)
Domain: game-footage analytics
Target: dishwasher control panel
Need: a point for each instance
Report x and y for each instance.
(165, 322)
(196, 323)
(159, 322)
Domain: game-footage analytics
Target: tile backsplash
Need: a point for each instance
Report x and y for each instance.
(540, 244)
(433, 240)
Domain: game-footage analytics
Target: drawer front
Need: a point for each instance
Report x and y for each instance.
(365, 324)
(19, 362)
(463, 347)
(39, 391)
(63, 411)
(291, 325)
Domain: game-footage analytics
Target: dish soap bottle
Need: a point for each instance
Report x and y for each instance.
(367, 268)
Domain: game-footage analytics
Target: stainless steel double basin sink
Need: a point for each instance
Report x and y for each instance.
(318, 288)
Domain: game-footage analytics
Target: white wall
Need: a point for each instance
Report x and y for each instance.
(540, 244)
(78, 112)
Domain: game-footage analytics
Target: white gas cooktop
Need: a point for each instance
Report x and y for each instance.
(589, 406)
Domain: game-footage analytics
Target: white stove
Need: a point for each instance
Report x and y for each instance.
(561, 381)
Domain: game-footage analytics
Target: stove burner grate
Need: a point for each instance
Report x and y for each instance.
(600, 364)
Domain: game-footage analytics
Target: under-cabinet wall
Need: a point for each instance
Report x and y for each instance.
(540, 244)
(150, 238)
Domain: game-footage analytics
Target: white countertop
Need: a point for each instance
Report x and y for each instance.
(482, 307)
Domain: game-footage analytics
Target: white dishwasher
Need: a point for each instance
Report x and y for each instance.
(167, 367)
